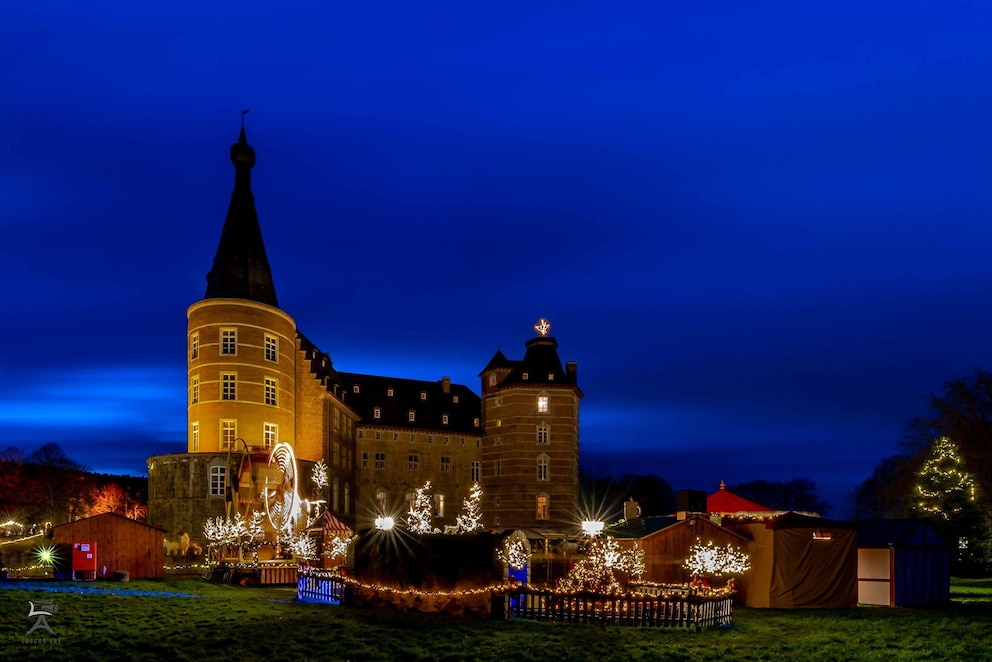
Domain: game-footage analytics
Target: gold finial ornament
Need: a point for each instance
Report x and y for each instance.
(542, 327)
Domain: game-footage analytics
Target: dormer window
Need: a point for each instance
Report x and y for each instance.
(454, 399)
(492, 380)
(411, 416)
(444, 419)
(551, 376)
(423, 395)
(389, 392)
(356, 389)
(377, 412)
(525, 376)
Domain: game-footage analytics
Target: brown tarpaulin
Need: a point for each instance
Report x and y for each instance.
(802, 566)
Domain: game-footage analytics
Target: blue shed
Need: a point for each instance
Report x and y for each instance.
(902, 563)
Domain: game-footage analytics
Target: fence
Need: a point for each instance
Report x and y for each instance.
(688, 610)
(312, 587)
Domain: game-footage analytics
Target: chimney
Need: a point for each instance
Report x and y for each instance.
(631, 510)
(572, 371)
(446, 384)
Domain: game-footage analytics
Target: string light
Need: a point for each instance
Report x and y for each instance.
(418, 520)
(471, 519)
(942, 482)
(709, 559)
(514, 552)
(597, 572)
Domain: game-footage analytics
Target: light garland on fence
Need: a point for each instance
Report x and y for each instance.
(17, 540)
(709, 559)
(597, 571)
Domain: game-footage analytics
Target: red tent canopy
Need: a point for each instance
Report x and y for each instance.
(331, 526)
(725, 501)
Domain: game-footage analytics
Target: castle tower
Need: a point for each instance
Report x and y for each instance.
(530, 451)
(241, 347)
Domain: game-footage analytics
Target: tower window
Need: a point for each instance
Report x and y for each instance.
(542, 433)
(194, 389)
(194, 436)
(271, 348)
(229, 341)
(270, 435)
(229, 386)
(543, 467)
(271, 388)
(476, 470)
(542, 404)
(543, 506)
(228, 433)
(492, 380)
(217, 482)
(194, 346)
(498, 471)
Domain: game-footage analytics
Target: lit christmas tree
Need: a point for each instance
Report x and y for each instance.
(709, 560)
(597, 572)
(943, 485)
(418, 520)
(471, 519)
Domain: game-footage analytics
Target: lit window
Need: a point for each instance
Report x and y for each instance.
(271, 388)
(542, 506)
(439, 505)
(378, 435)
(217, 482)
(271, 348)
(447, 440)
(228, 433)
(423, 395)
(365, 460)
(194, 436)
(444, 419)
(499, 401)
(542, 404)
(551, 376)
(229, 386)
(542, 434)
(389, 392)
(377, 412)
(492, 380)
(194, 389)
(411, 416)
(194, 346)
(270, 435)
(499, 468)
(499, 422)
(525, 376)
(475, 422)
(380, 500)
(380, 460)
(476, 470)
(543, 464)
(454, 399)
(229, 341)
(445, 464)
(355, 389)
(412, 461)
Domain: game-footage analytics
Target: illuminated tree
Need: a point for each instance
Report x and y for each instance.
(598, 571)
(418, 520)
(471, 519)
(710, 560)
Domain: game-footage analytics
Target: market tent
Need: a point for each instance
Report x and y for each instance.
(725, 502)
(801, 561)
(902, 563)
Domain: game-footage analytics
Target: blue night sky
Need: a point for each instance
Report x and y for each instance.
(762, 229)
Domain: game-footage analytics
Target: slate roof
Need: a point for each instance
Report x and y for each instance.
(241, 268)
(464, 416)
(641, 526)
(540, 366)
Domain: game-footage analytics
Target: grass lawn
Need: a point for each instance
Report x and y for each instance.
(176, 619)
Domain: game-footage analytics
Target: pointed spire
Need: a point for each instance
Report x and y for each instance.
(241, 268)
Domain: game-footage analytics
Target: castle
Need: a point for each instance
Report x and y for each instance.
(255, 380)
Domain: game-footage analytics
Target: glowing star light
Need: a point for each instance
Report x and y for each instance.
(542, 327)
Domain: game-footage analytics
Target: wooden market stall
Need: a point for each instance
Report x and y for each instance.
(122, 545)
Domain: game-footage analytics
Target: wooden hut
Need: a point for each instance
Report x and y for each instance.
(902, 563)
(122, 544)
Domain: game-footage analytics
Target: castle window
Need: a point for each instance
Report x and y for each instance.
(380, 500)
(413, 436)
(525, 376)
(356, 389)
(499, 441)
(411, 416)
(412, 461)
(430, 439)
(478, 443)
(389, 392)
(499, 401)
(492, 380)
(229, 341)
(439, 505)
(551, 376)
(542, 433)
(378, 435)
(475, 422)
(543, 506)
(423, 395)
(543, 467)
(476, 470)
(542, 404)
(229, 386)
(445, 464)
(217, 482)
(410, 497)
(334, 495)
(444, 419)
(498, 471)
(271, 388)
(271, 348)
(194, 346)
(365, 460)
(194, 389)
(361, 434)
(194, 436)
(270, 435)
(377, 412)
(447, 440)
(396, 436)
(347, 498)
(228, 433)
(380, 460)
(454, 399)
